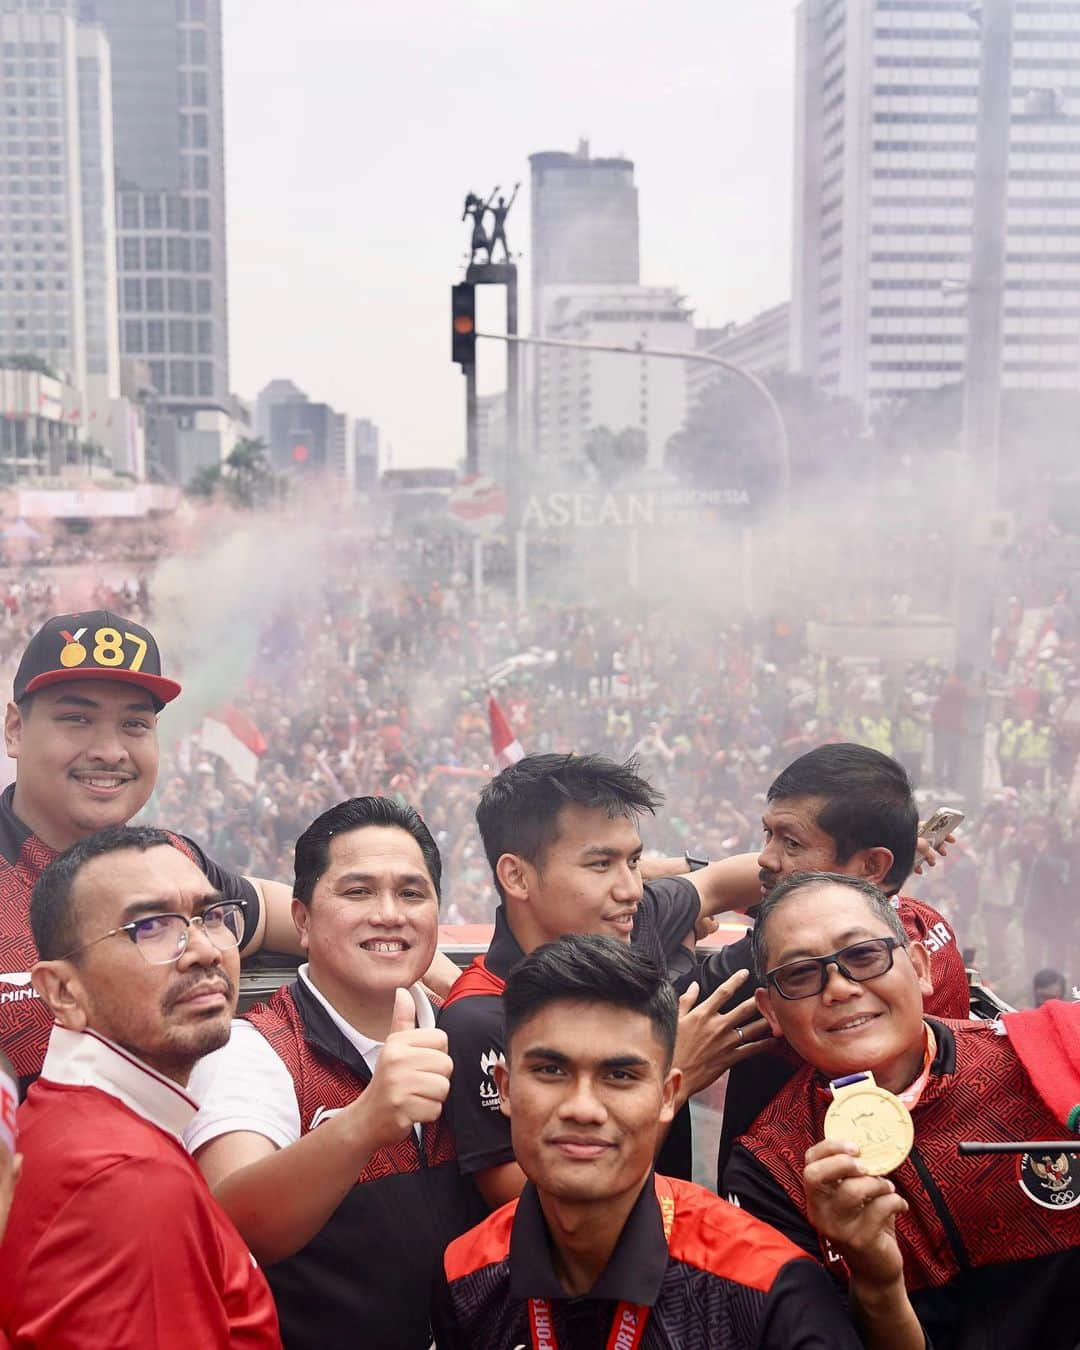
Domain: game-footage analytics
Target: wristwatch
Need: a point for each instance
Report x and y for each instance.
(695, 861)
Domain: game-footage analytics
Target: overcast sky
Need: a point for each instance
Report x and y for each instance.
(354, 129)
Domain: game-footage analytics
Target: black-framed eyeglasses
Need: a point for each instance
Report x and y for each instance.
(164, 938)
(810, 974)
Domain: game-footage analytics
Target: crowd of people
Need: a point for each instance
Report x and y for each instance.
(502, 1156)
(380, 684)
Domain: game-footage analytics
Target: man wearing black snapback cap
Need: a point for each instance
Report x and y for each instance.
(82, 727)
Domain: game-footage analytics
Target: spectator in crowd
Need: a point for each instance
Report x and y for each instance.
(844, 808)
(82, 728)
(321, 1125)
(114, 1237)
(979, 1250)
(561, 837)
(600, 1248)
(1047, 984)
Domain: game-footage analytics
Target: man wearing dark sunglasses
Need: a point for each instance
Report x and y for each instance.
(114, 1237)
(978, 1250)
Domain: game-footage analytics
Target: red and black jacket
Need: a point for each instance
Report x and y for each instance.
(367, 1278)
(754, 1083)
(723, 1281)
(991, 1244)
(25, 1021)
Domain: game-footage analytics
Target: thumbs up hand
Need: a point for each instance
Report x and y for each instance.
(411, 1080)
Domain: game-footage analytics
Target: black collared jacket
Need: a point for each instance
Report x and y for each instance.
(723, 1281)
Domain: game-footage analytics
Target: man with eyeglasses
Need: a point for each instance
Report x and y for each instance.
(114, 1238)
(980, 1250)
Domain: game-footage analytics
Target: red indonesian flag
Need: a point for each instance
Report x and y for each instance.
(505, 746)
(234, 737)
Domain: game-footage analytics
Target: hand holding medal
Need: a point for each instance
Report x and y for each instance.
(874, 1119)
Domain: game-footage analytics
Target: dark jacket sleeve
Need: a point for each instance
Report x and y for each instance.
(749, 1186)
(805, 1311)
(677, 908)
(481, 1132)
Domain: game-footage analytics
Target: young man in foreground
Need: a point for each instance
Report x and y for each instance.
(981, 1250)
(600, 1249)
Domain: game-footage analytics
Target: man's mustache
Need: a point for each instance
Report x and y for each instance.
(221, 983)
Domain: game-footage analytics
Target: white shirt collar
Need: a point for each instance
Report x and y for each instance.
(87, 1059)
(425, 1015)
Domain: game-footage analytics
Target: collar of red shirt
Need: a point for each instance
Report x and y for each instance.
(85, 1059)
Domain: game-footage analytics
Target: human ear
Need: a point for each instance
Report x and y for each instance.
(920, 959)
(763, 1001)
(58, 984)
(512, 876)
(301, 918)
(876, 865)
(13, 725)
(669, 1095)
(501, 1075)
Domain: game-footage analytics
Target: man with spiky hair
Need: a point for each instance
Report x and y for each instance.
(561, 837)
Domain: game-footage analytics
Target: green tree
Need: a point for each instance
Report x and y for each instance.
(730, 437)
(28, 361)
(245, 478)
(614, 455)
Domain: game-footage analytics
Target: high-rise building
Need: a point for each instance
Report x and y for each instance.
(366, 451)
(885, 168)
(170, 170)
(277, 391)
(57, 224)
(584, 223)
(580, 392)
(761, 345)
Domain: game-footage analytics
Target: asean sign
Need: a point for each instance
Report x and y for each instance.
(477, 504)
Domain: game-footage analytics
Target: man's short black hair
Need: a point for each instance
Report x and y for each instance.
(867, 802)
(53, 921)
(588, 968)
(877, 901)
(519, 809)
(312, 856)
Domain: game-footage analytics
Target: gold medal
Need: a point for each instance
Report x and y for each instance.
(872, 1117)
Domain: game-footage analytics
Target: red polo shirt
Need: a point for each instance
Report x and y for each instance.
(114, 1240)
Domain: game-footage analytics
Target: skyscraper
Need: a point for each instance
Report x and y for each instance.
(170, 171)
(584, 223)
(885, 166)
(57, 227)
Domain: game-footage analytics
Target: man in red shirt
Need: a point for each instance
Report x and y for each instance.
(114, 1239)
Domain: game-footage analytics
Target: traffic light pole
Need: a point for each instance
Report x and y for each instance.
(472, 438)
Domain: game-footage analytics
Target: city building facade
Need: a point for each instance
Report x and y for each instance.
(170, 171)
(761, 345)
(578, 393)
(885, 166)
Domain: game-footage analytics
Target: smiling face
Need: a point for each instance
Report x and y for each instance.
(168, 1015)
(850, 1026)
(373, 921)
(587, 881)
(87, 757)
(587, 1088)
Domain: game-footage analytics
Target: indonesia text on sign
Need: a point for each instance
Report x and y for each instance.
(624, 510)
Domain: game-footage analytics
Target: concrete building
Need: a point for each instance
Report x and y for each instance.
(761, 345)
(885, 150)
(578, 392)
(584, 223)
(366, 453)
(491, 435)
(277, 391)
(170, 171)
(57, 224)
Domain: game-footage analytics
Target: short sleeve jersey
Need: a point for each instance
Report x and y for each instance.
(474, 1025)
(25, 1021)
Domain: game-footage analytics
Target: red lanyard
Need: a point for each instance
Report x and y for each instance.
(628, 1324)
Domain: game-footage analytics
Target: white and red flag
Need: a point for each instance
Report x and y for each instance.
(505, 746)
(235, 737)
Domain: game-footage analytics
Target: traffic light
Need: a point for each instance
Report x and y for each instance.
(463, 320)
